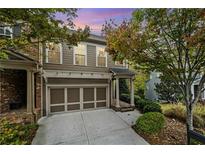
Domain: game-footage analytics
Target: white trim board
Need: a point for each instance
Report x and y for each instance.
(76, 85)
(76, 74)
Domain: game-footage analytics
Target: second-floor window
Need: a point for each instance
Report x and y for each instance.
(54, 53)
(80, 55)
(101, 58)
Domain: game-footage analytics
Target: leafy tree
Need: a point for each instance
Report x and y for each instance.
(38, 26)
(168, 90)
(140, 82)
(170, 41)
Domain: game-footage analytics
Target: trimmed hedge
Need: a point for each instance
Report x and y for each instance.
(150, 123)
(143, 105)
(140, 104)
(152, 107)
(125, 98)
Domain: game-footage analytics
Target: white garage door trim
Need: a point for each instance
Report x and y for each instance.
(81, 86)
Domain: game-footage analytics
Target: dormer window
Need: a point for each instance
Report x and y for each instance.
(80, 54)
(54, 53)
(101, 60)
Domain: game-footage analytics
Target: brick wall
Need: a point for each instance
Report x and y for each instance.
(38, 95)
(12, 89)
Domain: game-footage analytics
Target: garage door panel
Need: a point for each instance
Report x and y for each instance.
(88, 105)
(88, 94)
(77, 98)
(73, 95)
(73, 107)
(57, 108)
(57, 96)
(101, 104)
(101, 94)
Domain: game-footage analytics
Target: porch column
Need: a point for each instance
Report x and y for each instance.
(117, 93)
(114, 89)
(111, 92)
(30, 91)
(132, 92)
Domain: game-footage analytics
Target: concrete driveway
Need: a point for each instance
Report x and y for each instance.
(99, 127)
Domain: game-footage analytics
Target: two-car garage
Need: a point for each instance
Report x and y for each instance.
(64, 99)
(67, 95)
(75, 94)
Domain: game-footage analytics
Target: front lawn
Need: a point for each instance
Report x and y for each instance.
(16, 134)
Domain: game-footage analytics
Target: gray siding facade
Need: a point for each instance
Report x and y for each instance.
(68, 63)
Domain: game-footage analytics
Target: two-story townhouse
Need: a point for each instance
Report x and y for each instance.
(82, 77)
(64, 78)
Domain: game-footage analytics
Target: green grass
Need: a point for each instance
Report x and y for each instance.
(178, 111)
(198, 108)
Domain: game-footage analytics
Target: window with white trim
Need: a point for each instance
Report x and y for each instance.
(101, 58)
(54, 53)
(80, 54)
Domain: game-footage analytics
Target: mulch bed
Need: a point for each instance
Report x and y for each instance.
(174, 133)
(32, 134)
(16, 130)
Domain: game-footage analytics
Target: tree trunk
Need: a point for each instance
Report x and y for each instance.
(188, 101)
(189, 119)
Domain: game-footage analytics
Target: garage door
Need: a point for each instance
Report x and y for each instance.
(77, 98)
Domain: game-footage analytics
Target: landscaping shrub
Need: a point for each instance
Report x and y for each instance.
(141, 104)
(125, 97)
(178, 111)
(198, 121)
(137, 98)
(16, 133)
(152, 107)
(150, 123)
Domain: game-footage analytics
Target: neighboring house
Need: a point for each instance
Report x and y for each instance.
(63, 78)
(151, 94)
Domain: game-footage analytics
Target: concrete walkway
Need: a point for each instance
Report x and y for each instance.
(99, 127)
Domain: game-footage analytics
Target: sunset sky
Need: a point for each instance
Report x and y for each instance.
(96, 17)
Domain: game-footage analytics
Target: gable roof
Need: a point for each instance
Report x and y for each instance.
(122, 71)
(19, 56)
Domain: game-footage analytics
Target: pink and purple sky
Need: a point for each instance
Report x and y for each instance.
(96, 17)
